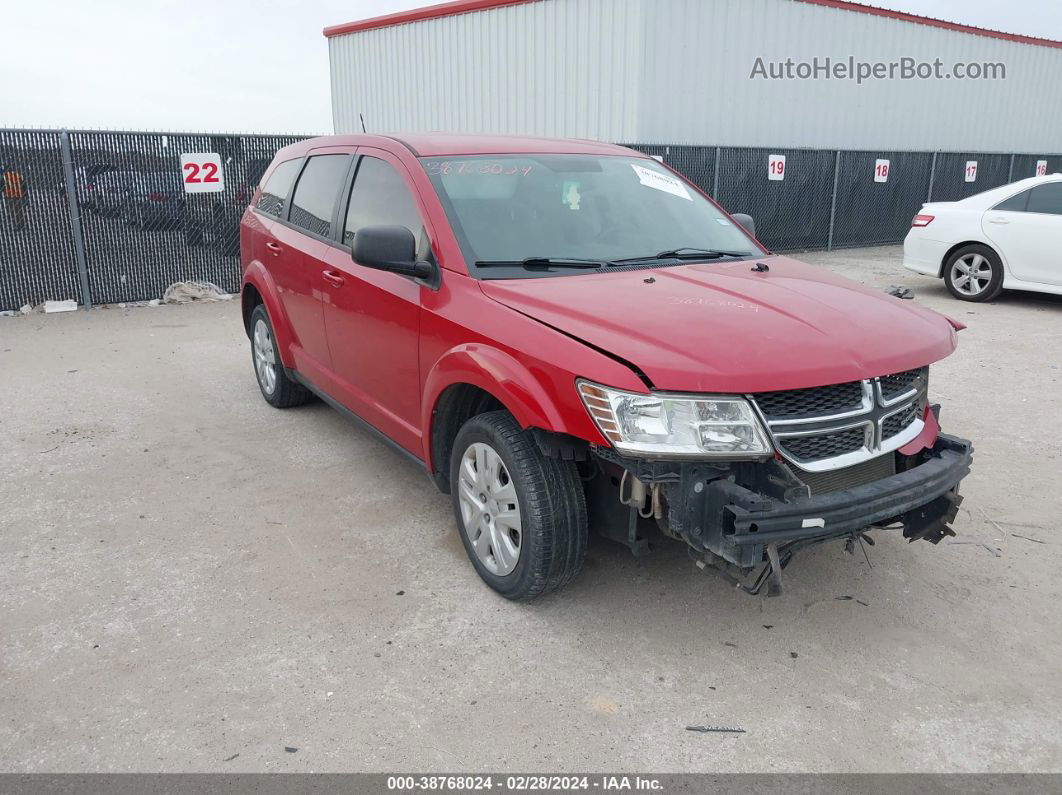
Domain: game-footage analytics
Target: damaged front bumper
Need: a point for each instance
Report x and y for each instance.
(738, 524)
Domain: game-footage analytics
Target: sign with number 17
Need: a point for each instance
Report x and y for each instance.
(201, 172)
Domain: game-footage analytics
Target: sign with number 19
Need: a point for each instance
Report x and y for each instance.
(775, 167)
(201, 172)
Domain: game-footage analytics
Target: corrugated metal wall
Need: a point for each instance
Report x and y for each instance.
(556, 67)
(677, 72)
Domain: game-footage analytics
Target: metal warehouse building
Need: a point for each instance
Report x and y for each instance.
(679, 72)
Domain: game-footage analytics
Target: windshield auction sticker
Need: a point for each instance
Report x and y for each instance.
(657, 181)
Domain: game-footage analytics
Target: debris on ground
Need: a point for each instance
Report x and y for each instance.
(187, 292)
(900, 292)
(723, 729)
(1029, 538)
(847, 598)
(992, 550)
(229, 759)
(70, 305)
(290, 749)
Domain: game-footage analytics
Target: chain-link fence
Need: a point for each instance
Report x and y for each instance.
(104, 217)
(815, 198)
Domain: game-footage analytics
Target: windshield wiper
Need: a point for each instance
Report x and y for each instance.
(542, 263)
(688, 252)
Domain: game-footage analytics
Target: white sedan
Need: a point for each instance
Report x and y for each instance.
(1004, 238)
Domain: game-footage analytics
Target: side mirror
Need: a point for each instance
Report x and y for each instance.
(389, 248)
(746, 221)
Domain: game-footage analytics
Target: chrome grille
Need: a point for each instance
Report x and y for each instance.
(895, 423)
(813, 402)
(832, 427)
(894, 386)
(825, 445)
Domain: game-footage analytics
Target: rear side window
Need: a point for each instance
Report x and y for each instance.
(1014, 203)
(380, 197)
(277, 187)
(315, 194)
(1046, 198)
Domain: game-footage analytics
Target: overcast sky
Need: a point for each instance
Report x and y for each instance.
(246, 65)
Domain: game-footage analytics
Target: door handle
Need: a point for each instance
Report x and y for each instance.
(998, 220)
(333, 278)
(274, 247)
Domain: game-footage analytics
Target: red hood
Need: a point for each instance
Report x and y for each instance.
(720, 327)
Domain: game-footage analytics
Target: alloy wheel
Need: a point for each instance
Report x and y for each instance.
(971, 274)
(490, 509)
(265, 361)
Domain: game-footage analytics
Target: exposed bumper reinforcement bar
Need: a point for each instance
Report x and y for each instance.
(924, 499)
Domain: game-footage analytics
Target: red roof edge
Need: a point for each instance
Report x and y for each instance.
(845, 5)
(416, 14)
(466, 6)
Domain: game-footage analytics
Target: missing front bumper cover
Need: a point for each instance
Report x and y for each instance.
(738, 524)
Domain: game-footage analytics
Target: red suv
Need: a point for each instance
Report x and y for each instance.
(568, 334)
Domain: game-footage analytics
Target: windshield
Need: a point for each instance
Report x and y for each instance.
(508, 209)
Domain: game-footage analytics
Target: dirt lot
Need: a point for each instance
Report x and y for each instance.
(192, 580)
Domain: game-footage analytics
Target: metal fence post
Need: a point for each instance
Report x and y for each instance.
(1010, 171)
(75, 218)
(715, 173)
(932, 176)
(833, 198)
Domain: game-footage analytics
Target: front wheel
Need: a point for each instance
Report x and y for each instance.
(974, 273)
(521, 515)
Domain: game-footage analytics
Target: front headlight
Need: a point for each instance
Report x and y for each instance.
(676, 425)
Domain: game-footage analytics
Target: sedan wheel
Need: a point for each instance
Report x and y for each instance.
(974, 273)
(971, 274)
(490, 509)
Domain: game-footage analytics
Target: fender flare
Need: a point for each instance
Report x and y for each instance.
(497, 373)
(258, 277)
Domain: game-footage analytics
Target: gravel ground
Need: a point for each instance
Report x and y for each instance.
(194, 581)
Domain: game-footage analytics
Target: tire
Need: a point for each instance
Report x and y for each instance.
(974, 273)
(278, 390)
(550, 508)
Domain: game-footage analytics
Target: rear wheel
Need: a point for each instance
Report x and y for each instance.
(521, 515)
(974, 273)
(279, 391)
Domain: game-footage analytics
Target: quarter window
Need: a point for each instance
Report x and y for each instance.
(1014, 203)
(277, 187)
(1046, 198)
(316, 192)
(380, 197)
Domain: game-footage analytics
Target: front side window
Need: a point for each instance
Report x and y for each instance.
(315, 194)
(380, 197)
(576, 207)
(277, 187)
(1046, 198)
